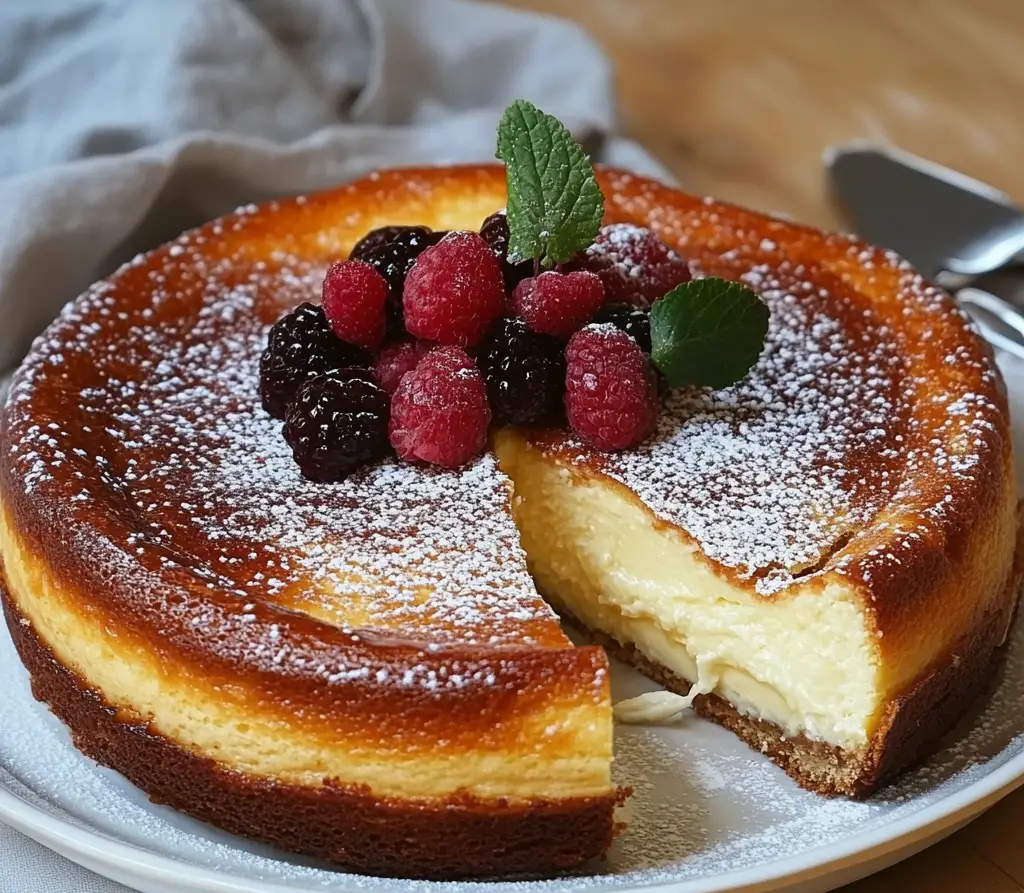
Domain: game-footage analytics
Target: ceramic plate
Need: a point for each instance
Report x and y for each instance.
(708, 814)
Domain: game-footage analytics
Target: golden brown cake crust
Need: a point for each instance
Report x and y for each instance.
(459, 836)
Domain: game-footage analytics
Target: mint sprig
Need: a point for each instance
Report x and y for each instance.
(554, 203)
(707, 332)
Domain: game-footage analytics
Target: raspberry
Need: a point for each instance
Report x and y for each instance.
(393, 260)
(634, 264)
(525, 374)
(439, 414)
(611, 396)
(558, 303)
(454, 292)
(300, 346)
(354, 295)
(336, 423)
(395, 360)
(494, 231)
(634, 321)
(383, 235)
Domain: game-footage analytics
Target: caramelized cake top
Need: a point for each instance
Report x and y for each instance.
(873, 423)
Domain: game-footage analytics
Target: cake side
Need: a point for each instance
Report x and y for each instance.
(455, 836)
(526, 723)
(912, 726)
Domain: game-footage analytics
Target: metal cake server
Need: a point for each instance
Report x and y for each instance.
(955, 230)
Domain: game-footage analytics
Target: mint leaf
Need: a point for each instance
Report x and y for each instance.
(707, 332)
(554, 203)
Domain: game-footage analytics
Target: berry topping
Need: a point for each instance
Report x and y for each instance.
(634, 264)
(634, 321)
(384, 235)
(558, 303)
(300, 346)
(525, 374)
(439, 414)
(611, 397)
(354, 295)
(589, 344)
(454, 292)
(393, 260)
(336, 423)
(494, 232)
(395, 360)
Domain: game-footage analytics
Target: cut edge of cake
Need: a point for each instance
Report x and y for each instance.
(801, 677)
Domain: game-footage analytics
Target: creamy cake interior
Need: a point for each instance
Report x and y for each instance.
(806, 664)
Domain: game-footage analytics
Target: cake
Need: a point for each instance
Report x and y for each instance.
(368, 672)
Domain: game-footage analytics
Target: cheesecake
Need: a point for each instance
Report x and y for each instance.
(820, 557)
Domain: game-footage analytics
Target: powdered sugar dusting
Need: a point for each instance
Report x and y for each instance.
(210, 485)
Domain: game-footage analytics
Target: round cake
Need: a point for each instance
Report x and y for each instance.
(373, 672)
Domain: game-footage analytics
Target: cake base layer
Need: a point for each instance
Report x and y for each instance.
(343, 824)
(909, 731)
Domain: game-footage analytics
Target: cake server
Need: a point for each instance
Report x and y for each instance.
(938, 219)
(950, 227)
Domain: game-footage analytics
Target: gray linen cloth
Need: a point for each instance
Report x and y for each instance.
(123, 122)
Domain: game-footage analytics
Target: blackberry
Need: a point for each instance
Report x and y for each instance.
(632, 320)
(393, 260)
(495, 233)
(377, 238)
(300, 346)
(394, 318)
(336, 423)
(525, 374)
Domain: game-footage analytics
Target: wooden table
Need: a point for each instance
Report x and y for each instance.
(738, 98)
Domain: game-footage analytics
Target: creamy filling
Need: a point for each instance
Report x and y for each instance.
(804, 660)
(748, 695)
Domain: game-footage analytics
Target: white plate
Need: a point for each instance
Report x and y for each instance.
(708, 814)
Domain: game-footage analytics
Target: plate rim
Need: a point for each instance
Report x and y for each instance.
(95, 848)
